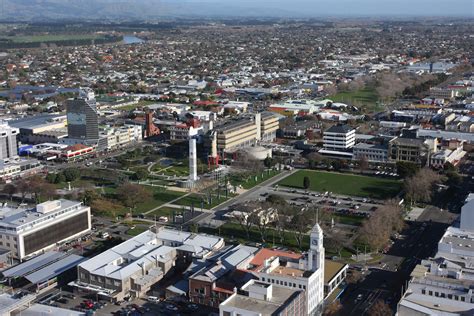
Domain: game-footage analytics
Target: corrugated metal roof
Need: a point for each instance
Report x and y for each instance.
(54, 269)
(31, 265)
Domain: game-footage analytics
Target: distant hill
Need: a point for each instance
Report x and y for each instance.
(34, 10)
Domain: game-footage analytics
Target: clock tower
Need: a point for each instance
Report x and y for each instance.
(316, 249)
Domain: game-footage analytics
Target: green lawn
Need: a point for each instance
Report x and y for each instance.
(163, 211)
(233, 232)
(137, 230)
(349, 219)
(159, 197)
(344, 184)
(196, 199)
(366, 97)
(249, 182)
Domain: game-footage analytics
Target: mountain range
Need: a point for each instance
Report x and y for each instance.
(113, 10)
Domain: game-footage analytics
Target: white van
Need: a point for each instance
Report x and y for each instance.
(152, 299)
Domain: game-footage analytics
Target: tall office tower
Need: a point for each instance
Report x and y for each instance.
(82, 117)
(192, 160)
(8, 142)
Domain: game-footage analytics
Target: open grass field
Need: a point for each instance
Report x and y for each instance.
(250, 182)
(159, 197)
(197, 198)
(344, 184)
(366, 98)
(50, 38)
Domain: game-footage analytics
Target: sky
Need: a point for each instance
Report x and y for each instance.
(352, 7)
(237, 8)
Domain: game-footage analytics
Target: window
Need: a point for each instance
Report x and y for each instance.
(263, 279)
(443, 295)
(456, 298)
(430, 293)
(436, 294)
(294, 284)
(463, 299)
(300, 286)
(423, 291)
(450, 296)
(286, 283)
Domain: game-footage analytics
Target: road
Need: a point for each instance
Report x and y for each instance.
(420, 242)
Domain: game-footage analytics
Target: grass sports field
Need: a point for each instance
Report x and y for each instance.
(345, 184)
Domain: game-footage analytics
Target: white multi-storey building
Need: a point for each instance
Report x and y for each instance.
(29, 231)
(444, 285)
(339, 137)
(295, 271)
(8, 142)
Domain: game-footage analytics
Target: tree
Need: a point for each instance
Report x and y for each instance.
(71, 174)
(363, 164)
(379, 308)
(60, 178)
(10, 189)
(40, 188)
(276, 200)
(263, 221)
(89, 196)
(244, 215)
(269, 162)
(132, 194)
(374, 233)
(106, 207)
(407, 169)
(23, 188)
(299, 226)
(353, 277)
(419, 187)
(332, 309)
(51, 177)
(141, 174)
(306, 183)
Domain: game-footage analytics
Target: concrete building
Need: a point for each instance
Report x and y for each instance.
(374, 153)
(295, 271)
(339, 138)
(443, 285)
(19, 168)
(41, 128)
(467, 214)
(29, 231)
(338, 141)
(218, 276)
(112, 138)
(263, 299)
(269, 124)
(240, 133)
(334, 274)
(131, 268)
(8, 142)
(414, 150)
(82, 118)
(452, 156)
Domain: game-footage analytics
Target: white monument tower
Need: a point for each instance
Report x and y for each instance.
(192, 160)
(316, 264)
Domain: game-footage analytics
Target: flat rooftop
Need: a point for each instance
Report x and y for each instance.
(18, 217)
(279, 296)
(282, 270)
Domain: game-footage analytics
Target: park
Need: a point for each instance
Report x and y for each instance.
(344, 184)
